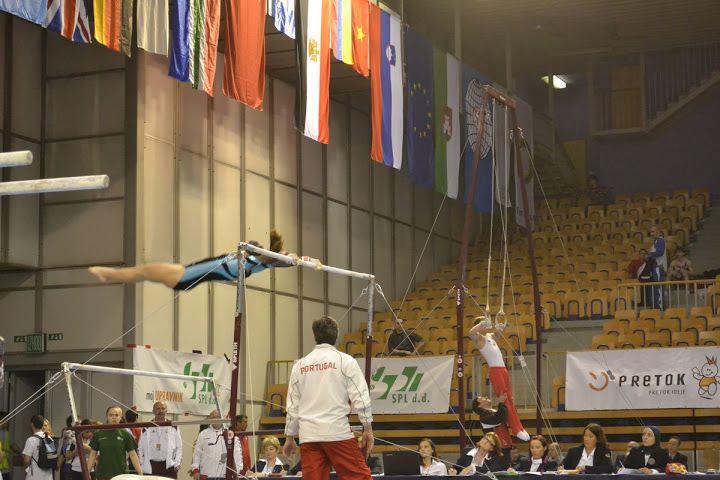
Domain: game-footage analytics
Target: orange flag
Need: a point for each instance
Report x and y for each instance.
(361, 36)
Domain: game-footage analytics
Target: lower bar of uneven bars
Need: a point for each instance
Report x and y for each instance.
(303, 263)
(16, 159)
(140, 373)
(278, 431)
(50, 185)
(167, 423)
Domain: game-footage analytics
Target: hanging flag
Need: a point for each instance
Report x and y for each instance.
(351, 28)
(32, 10)
(70, 18)
(196, 27)
(113, 24)
(312, 101)
(386, 87)
(501, 155)
(420, 121)
(152, 26)
(524, 114)
(244, 78)
(472, 96)
(446, 71)
(283, 11)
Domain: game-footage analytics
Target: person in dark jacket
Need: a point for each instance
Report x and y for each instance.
(593, 456)
(649, 457)
(674, 456)
(494, 420)
(271, 464)
(537, 460)
(486, 457)
(619, 463)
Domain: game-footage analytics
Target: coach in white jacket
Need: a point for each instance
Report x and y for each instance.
(210, 455)
(160, 448)
(323, 385)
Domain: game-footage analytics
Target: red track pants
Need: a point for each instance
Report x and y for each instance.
(344, 455)
(500, 381)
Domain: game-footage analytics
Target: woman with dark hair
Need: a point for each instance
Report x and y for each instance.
(537, 461)
(649, 457)
(593, 456)
(487, 457)
(429, 465)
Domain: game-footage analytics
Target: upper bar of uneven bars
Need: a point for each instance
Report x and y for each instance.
(16, 159)
(303, 263)
(50, 185)
(139, 373)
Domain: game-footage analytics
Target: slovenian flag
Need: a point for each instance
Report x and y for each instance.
(386, 87)
(196, 27)
(446, 71)
(350, 41)
(312, 101)
(421, 109)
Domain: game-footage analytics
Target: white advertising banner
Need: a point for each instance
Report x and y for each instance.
(411, 384)
(180, 396)
(643, 378)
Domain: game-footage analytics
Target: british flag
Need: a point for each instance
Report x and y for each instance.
(70, 18)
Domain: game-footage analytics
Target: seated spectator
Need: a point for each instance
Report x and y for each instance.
(537, 461)
(485, 457)
(680, 267)
(72, 457)
(403, 342)
(554, 453)
(674, 456)
(633, 269)
(593, 456)
(597, 194)
(620, 459)
(429, 463)
(649, 457)
(271, 463)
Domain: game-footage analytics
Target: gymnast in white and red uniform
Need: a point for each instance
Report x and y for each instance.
(482, 335)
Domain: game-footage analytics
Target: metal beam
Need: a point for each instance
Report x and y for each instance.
(16, 159)
(50, 185)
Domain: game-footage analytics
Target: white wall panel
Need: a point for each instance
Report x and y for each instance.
(259, 342)
(403, 259)
(193, 319)
(360, 229)
(18, 317)
(382, 188)
(286, 327)
(286, 220)
(312, 243)
(338, 251)
(112, 385)
(311, 312)
(360, 159)
(285, 135)
(226, 209)
(26, 80)
(24, 212)
(193, 119)
(81, 234)
(160, 98)
(382, 261)
(224, 299)
(403, 198)
(227, 130)
(88, 317)
(89, 99)
(95, 156)
(257, 146)
(257, 214)
(64, 58)
(312, 165)
(156, 208)
(342, 315)
(337, 153)
(194, 207)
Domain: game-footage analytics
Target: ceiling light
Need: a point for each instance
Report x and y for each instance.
(558, 82)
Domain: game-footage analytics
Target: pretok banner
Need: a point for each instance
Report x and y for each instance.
(196, 398)
(643, 378)
(410, 385)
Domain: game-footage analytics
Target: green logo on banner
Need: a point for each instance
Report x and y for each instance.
(409, 382)
(205, 394)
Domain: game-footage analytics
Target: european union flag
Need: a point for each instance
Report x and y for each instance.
(421, 107)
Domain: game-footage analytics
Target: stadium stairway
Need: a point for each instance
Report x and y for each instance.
(704, 252)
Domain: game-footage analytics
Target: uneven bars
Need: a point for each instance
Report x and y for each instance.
(139, 373)
(303, 263)
(50, 185)
(16, 159)
(166, 423)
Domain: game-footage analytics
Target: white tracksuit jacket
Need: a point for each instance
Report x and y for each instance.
(323, 384)
(210, 453)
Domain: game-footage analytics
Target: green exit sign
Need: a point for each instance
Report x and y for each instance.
(55, 336)
(35, 343)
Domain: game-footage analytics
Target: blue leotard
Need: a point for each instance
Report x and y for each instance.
(223, 268)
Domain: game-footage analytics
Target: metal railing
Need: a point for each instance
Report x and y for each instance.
(667, 294)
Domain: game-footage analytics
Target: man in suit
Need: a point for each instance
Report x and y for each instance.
(620, 459)
(674, 456)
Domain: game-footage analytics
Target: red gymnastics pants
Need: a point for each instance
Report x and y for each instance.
(344, 455)
(500, 381)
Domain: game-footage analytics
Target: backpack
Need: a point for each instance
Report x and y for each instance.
(47, 453)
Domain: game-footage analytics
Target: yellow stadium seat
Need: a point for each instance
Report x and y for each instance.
(677, 312)
(668, 325)
(597, 305)
(604, 342)
(684, 339)
(709, 338)
(696, 325)
(630, 340)
(443, 334)
(652, 314)
(575, 305)
(657, 339)
(558, 396)
(276, 395)
(615, 328)
(626, 316)
(713, 324)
